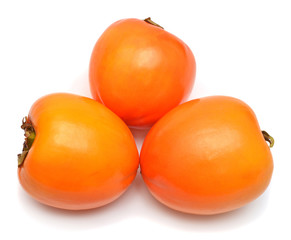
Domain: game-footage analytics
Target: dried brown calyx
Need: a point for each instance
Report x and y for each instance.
(29, 134)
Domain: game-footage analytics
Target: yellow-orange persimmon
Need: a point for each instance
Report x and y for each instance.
(140, 71)
(207, 156)
(77, 153)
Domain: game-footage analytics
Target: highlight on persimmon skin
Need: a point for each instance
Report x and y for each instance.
(207, 156)
(140, 71)
(82, 155)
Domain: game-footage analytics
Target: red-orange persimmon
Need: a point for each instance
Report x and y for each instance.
(140, 71)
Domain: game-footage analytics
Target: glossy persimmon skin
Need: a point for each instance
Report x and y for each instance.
(207, 156)
(83, 156)
(140, 71)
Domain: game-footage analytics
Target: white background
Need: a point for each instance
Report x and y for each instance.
(242, 49)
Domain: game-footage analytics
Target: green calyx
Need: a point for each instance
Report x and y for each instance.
(268, 138)
(29, 134)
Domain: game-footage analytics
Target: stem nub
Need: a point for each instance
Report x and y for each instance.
(150, 21)
(268, 138)
(29, 134)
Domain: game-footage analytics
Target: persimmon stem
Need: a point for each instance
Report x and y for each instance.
(150, 21)
(268, 138)
(29, 134)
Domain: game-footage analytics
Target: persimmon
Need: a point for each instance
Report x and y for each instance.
(207, 156)
(77, 154)
(140, 71)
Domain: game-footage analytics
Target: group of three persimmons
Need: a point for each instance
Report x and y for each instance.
(205, 156)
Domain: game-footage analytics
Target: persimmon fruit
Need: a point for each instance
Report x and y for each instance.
(77, 154)
(207, 156)
(140, 71)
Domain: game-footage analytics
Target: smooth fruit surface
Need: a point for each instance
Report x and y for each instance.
(140, 71)
(207, 156)
(83, 155)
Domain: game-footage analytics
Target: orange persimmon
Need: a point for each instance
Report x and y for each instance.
(77, 153)
(140, 71)
(207, 156)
